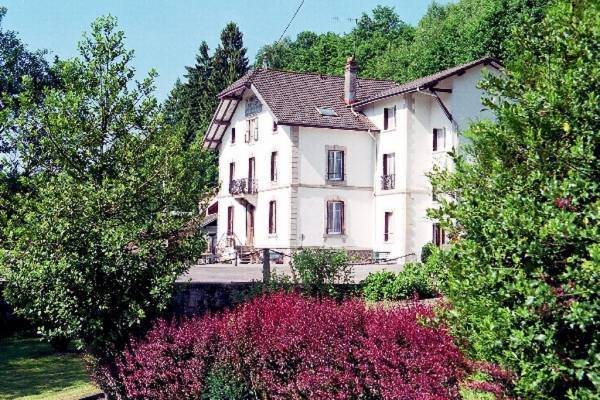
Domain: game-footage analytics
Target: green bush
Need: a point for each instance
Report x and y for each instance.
(224, 384)
(376, 284)
(524, 272)
(320, 270)
(415, 278)
(426, 251)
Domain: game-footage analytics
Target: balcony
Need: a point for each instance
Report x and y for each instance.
(388, 182)
(244, 186)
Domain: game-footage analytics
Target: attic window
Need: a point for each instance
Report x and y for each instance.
(327, 111)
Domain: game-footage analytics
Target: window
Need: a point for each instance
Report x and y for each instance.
(274, 166)
(272, 217)
(389, 118)
(230, 220)
(232, 135)
(387, 226)
(231, 172)
(274, 126)
(335, 165)
(251, 130)
(439, 139)
(252, 175)
(439, 236)
(389, 172)
(327, 111)
(335, 217)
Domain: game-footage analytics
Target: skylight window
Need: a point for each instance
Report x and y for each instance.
(327, 111)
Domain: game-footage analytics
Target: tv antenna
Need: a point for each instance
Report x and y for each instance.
(349, 19)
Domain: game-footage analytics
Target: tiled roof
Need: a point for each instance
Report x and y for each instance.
(428, 81)
(294, 97)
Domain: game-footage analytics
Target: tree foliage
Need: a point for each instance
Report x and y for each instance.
(16, 63)
(192, 103)
(524, 271)
(388, 48)
(96, 245)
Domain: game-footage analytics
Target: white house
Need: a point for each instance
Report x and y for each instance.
(309, 160)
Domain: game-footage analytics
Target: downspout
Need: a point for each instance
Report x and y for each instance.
(373, 210)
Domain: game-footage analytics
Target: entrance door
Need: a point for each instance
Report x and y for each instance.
(251, 175)
(249, 225)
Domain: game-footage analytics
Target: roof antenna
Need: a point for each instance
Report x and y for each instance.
(349, 19)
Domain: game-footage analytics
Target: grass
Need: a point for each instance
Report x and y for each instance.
(30, 369)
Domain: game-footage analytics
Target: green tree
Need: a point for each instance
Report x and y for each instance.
(524, 270)
(387, 48)
(95, 247)
(16, 62)
(191, 103)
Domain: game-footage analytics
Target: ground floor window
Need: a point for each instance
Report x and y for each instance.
(272, 217)
(387, 226)
(335, 217)
(439, 236)
(230, 220)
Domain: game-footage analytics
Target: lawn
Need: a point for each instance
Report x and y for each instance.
(30, 369)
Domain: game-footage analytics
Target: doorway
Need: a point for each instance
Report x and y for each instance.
(250, 225)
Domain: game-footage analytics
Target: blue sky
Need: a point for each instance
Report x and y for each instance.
(165, 34)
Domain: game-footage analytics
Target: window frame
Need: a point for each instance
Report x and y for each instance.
(330, 214)
(232, 135)
(230, 220)
(272, 217)
(274, 159)
(388, 233)
(438, 235)
(386, 118)
(333, 176)
(231, 172)
(436, 146)
(251, 130)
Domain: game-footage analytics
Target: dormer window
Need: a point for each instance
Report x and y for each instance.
(327, 111)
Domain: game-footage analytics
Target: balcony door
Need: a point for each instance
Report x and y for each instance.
(249, 225)
(251, 175)
(388, 180)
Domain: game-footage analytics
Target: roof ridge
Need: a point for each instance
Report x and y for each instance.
(458, 66)
(429, 79)
(325, 75)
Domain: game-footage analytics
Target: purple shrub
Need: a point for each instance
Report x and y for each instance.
(283, 346)
(172, 361)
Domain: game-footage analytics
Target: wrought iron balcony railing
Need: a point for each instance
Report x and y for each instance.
(243, 186)
(388, 182)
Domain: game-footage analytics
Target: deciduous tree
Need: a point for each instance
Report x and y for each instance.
(110, 221)
(524, 270)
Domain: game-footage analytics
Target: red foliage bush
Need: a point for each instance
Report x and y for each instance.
(288, 346)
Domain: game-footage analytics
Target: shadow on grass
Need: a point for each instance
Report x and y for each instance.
(29, 368)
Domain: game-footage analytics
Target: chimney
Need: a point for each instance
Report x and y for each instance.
(350, 81)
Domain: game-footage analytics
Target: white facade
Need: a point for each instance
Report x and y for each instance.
(388, 219)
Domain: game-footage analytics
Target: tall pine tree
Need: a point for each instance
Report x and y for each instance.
(192, 102)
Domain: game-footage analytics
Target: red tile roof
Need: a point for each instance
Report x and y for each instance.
(294, 97)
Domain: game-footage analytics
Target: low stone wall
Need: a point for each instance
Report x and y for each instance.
(197, 298)
(194, 298)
